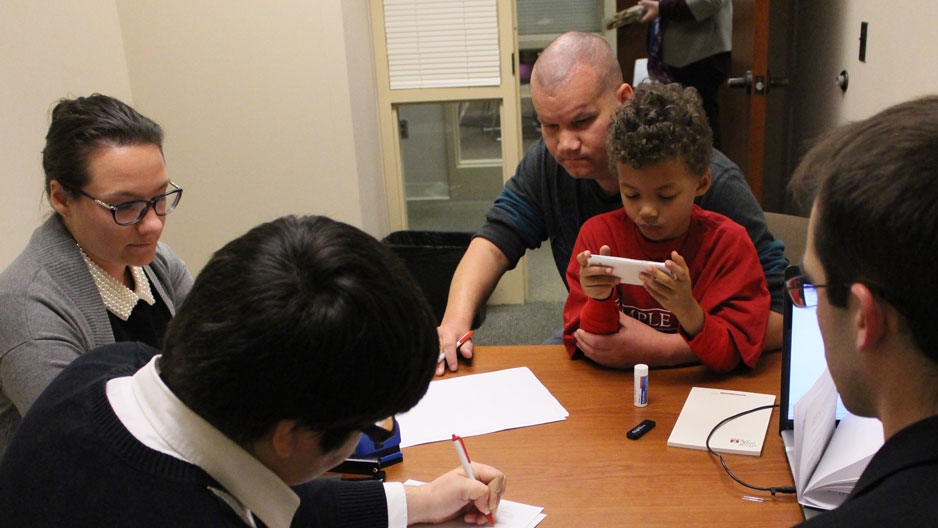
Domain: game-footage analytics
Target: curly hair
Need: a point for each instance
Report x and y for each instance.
(661, 122)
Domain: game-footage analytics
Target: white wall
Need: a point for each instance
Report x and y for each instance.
(899, 57)
(48, 50)
(258, 103)
(269, 108)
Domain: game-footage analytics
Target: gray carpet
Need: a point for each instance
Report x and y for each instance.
(530, 323)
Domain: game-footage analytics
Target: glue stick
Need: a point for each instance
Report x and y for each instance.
(641, 385)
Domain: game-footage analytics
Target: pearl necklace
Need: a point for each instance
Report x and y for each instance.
(119, 299)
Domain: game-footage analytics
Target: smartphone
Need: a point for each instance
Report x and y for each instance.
(625, 268)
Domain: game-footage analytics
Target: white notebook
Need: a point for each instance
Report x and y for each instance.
(704, 408)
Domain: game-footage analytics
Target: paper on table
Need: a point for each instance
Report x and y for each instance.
(814, 425)
(479, 404)
(510, 514)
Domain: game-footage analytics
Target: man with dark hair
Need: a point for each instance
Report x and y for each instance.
(295, 337)
(564, 179)
(868, 265)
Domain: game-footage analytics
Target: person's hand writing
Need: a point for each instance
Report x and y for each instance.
(453, 493)
(675, 293)
(651, 10)
(597, 281)
(449, 334)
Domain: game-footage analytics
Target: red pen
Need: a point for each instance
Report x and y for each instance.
(467, 467)
(462, 340)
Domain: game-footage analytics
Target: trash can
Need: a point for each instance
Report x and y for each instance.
(432, 257)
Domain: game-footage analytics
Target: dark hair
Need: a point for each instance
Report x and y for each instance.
(82, 125)
(659, 123)
(876, 219)
(301, 318)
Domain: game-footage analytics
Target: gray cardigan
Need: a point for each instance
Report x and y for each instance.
(51, 312)
(711, 32)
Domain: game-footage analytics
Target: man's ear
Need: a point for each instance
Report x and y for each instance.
(624, 93)
(703, 183)
(870, 318)
(283, 438)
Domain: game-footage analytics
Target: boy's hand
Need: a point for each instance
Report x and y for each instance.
(597, 282)
(675, 292)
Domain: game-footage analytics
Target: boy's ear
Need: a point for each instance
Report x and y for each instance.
(703, 183)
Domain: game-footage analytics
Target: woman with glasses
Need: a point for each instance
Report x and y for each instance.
(94, 272)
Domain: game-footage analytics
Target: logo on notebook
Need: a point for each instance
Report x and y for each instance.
(742, 442)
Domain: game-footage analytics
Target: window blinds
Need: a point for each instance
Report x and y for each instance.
(558, 16)
(442, 43)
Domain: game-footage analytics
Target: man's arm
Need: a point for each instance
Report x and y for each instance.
(475, 279)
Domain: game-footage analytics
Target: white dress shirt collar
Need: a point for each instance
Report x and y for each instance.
(156, 417)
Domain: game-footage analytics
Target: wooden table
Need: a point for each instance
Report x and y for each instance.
(585, 472)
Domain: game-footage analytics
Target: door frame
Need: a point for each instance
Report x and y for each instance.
(511, 288)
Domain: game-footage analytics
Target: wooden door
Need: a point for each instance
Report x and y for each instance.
(753, 121)
(754, 114)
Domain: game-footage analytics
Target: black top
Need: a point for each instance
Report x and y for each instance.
(146, 323)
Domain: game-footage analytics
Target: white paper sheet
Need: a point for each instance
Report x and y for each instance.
(510, 514)
(478, 404)
(814, 425)
(829, 458)
(853, 444)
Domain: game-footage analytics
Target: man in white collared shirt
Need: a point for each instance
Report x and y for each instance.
(295, 337)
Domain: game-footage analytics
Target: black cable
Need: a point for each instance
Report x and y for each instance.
(772, 489)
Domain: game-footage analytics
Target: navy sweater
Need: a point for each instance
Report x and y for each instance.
(72, 463)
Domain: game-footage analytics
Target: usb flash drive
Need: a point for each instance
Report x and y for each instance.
(640, 429)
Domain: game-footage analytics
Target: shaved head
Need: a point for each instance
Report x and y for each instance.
(567, 53)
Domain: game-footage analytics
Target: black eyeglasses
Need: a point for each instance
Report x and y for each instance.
(133, 211)
(803, 294)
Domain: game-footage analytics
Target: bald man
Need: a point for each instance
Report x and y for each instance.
(565, 179)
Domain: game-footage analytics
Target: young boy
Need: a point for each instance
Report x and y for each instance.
(712, 304)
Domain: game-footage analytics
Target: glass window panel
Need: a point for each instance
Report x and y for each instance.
(452, 163)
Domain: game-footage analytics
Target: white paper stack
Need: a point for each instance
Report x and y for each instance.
(828, 460)
(479, 404)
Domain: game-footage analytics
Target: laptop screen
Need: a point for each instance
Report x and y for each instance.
(802, 357)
